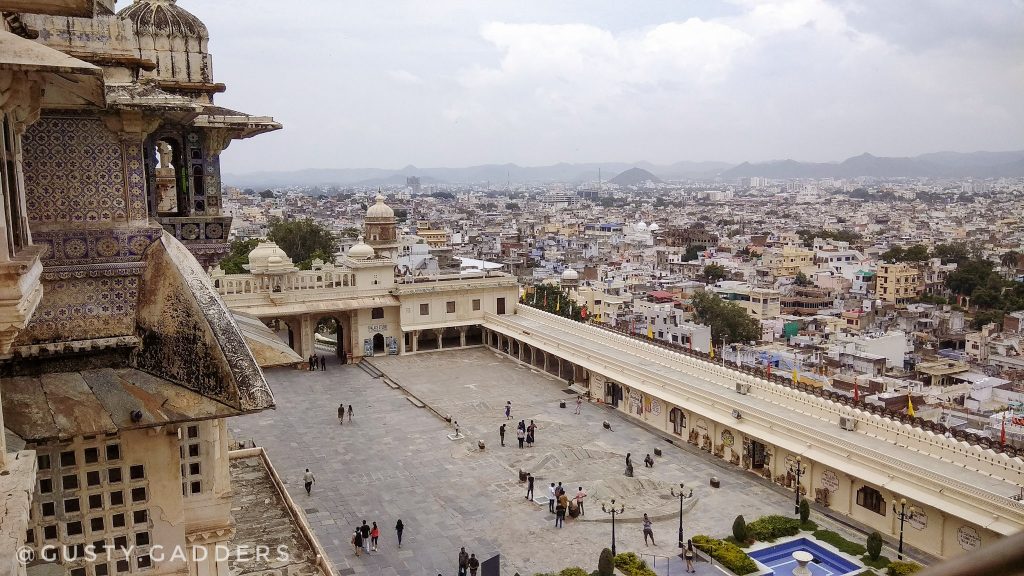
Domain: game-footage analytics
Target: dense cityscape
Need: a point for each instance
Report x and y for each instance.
(280, 361)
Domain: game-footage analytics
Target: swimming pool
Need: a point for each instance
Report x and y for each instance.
(826, 563)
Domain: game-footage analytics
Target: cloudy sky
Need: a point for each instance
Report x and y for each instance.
(455, 83)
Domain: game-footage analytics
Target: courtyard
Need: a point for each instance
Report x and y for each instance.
(394, 460)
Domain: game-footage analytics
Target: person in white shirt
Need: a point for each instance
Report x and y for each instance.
(551, 498)
(308, 479)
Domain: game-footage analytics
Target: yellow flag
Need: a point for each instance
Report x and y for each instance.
(712, 352)
(910, 406)
(558, 305)
(650, 332)
(795, 375)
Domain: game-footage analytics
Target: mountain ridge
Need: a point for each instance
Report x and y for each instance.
(982, 164)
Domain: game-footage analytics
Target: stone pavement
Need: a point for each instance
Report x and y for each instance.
(394, 461)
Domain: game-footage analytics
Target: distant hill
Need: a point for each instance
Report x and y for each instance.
(935, 165)
(634, 176)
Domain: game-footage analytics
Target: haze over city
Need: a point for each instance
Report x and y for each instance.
(461, 83)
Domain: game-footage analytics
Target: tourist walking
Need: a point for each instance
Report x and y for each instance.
(374, 536)
(323, 362)
(580, 495)
(310, 361)
(399, 528)
(552, 496)
(531, 432)
(529, 486)
(501, 434)
(521, 436)
(308, 480)
(364, 531)
(463, 561)
(357, 540)
(508, 410)
(648, 530)
(629, 465)
(689, 554)
(474, 565)
(341, 413)
(579, 404)
(349, 412)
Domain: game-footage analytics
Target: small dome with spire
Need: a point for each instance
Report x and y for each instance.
(360, 251)
(268, 257)
(570, 274)
(380, 210)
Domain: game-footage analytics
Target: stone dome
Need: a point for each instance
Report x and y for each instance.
(641, 226)
(269, 257)
(164, 18)
(570, 274)
(380, 210)
(654, 227)
(361, 251)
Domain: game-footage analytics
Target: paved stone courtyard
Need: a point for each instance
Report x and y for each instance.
(394, 461)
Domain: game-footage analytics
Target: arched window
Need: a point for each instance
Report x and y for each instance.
(377, 313)
(871, 499)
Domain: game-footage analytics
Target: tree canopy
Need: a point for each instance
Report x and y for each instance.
(915, 253)
(304, 241)
(238, 256)
(807, 236)
(726, 319)
(713, 273)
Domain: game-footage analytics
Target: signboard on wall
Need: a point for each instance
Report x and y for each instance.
(392, 346)
(968, 538)
(367, 347)
(918, 519)
(656, 407)
(830, 481)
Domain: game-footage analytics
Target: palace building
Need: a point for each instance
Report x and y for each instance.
(118, 361)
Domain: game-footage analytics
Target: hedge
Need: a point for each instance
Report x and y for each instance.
(632, 565)
(844, 545)
(901, 568)
(768, 528)
(574, 571)
(727, 554)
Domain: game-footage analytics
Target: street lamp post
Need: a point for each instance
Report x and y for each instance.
(611, 510)
(682, 496)
(725, 342)
(799, 471)
(903, 515)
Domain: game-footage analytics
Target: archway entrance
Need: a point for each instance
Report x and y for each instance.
(379, 347)
(329, 334)
(678, 419)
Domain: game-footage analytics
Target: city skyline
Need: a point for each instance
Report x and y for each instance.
(457, 85)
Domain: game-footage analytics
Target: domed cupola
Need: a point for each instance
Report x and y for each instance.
(380, 229)
(164, 18)
(360, 251)
(269, 258)
(176, 41)
(380, 211)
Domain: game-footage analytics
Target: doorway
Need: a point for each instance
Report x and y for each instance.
(757, 451)
(501, 306)
(378, 344)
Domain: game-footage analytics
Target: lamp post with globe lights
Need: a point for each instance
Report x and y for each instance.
(903, 516)
(799, 470)
(682, 496)
(611, 510)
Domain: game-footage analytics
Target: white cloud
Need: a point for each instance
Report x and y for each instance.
(405, 77)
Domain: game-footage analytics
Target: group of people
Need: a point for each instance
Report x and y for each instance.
(366, 537)
(525, 434)
(341, 413)
(559, 503)
(316, 361)
(467, 562)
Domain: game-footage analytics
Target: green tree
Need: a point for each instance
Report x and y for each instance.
(949, 253)
(805, 511)
(894, 254)
(512, 206)
(268, 194)
(726, 319)
(692, 252)
(1010, 259)
(969, 275)
(739, 530)
(802, 279)
(606, 563)
(874, 545)
(916, 253)
(304, 241)
(238, 257)
(713, 273)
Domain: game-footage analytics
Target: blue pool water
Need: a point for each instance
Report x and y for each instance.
(826, 563)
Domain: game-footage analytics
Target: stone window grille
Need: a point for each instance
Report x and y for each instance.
(191, 462)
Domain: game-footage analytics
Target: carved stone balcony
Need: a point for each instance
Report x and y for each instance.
(20, 293)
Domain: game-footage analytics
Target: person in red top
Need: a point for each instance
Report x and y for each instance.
(374, 535)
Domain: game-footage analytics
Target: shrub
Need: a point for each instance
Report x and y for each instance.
(805, 511)
(844, 545)
(606, 563)
(574, 571)
(632, 565)
(880, 563)
(809, 526)
(739, 529)
(768, 528)
(901, 568)
(727, 554)
(874, 545)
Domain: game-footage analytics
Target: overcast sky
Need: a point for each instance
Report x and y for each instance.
(455, 83)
